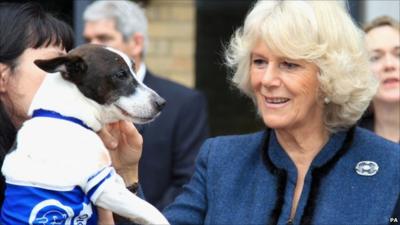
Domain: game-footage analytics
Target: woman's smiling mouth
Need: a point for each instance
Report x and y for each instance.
(275, 102)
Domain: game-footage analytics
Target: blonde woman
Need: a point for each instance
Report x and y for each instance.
(383, 44)
(304, 65)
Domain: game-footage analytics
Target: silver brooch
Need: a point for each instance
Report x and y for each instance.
(367, 168)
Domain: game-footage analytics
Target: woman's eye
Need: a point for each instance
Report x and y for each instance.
(374, 58)
(259, 62)
(289, 65)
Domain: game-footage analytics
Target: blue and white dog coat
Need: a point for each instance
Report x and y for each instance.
(41, 190)
(42, 205)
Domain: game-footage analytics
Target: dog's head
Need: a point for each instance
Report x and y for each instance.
(107, 77)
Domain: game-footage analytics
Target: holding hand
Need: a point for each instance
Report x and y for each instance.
(125, 146)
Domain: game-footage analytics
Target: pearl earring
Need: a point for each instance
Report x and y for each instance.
(327, 100)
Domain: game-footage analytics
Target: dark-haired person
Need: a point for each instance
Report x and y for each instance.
(28, 33)
(383, 43)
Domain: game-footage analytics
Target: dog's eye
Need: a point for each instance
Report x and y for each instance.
(121, 75)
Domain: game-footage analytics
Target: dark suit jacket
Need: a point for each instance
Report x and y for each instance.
(172, 141)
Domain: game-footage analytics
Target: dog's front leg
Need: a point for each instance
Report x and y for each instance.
(117, 198)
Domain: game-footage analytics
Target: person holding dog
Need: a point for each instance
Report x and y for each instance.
(304, 65)
(383, 43)
(172, 141)
(29, 33)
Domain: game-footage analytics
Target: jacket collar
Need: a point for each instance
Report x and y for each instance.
(278, 157)
(281, 159)
(282, 167)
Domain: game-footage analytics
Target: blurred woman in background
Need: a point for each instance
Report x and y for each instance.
(383, 43)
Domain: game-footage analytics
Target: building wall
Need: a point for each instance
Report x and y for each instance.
(172, 30)
(375, 8)
(172, 39)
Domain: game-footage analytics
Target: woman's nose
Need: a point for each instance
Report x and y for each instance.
(271, 77)
(390, 63)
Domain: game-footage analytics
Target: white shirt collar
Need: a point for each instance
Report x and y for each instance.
(141, 73)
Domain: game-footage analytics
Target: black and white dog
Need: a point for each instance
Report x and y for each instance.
(60, 164)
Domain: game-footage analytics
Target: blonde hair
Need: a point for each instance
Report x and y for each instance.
(321, 32)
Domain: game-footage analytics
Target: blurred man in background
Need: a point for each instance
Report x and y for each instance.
(172, 141)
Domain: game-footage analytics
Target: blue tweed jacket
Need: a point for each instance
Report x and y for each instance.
(249, 179)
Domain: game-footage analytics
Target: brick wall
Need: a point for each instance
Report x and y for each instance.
(172, 39)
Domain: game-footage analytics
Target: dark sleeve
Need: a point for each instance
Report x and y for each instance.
(190, 206)
(191, 131)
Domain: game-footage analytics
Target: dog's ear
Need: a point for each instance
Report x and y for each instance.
(70, 67)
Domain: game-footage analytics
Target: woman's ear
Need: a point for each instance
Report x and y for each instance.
(4, 74)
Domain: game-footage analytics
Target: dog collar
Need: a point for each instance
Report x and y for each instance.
(56, 115)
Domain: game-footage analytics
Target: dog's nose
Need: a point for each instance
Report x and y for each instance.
(160, 103)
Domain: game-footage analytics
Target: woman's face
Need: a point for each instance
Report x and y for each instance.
(383, 44)
(19, 86)
(286, 90)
